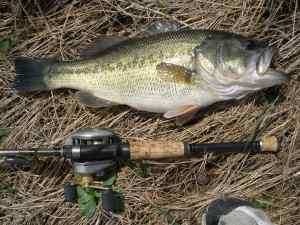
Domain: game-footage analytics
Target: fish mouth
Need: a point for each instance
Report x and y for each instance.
(268, 76)
(273, 77)
(264, 61)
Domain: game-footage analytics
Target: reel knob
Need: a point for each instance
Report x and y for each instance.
(70, 192)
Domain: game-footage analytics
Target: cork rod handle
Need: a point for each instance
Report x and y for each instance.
(156, 150)
(269, 144)
(161, 150)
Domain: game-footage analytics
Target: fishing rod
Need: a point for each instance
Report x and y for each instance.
(93, 152)
(102, 144)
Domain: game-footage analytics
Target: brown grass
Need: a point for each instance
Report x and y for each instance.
(62, 28)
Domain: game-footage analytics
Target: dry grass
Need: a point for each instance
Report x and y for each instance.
(62, 28)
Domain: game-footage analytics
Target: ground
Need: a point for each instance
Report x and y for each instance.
(172, 191)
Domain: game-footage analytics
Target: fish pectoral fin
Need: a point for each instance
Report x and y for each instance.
(188, 110)
(93, 101)
(101, 44)
(173, 73)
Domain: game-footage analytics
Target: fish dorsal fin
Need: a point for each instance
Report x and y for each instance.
(93, 101)
(161, 26)
(183, 110)
(105, 42)
(101, 44)
(173, 73)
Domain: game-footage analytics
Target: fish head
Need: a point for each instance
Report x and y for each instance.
(237, 65)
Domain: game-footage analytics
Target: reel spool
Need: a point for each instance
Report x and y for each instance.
(93, 136)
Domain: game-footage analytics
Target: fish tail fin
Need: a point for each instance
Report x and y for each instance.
(30, 74)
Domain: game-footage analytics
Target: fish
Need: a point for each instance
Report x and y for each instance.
(175, 72)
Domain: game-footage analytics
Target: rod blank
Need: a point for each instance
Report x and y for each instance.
(30, 152)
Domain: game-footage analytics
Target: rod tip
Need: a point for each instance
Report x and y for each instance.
(269, 144)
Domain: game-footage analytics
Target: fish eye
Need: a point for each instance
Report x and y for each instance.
(249, 45)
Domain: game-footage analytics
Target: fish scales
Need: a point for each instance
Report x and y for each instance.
(127, 73)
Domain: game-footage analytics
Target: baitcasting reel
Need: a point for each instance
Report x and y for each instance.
(87, 173)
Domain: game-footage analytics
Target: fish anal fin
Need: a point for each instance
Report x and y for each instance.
(93, 101)
(100, 45)
(173, 73)
(187, 110)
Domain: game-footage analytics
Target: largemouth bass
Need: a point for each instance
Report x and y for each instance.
(175, 73)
